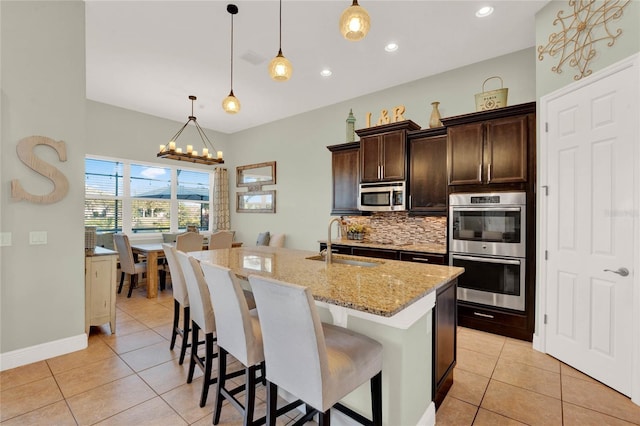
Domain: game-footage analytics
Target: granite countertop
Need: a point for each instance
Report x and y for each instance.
(391, 245)
(382, 290)
(100, 251)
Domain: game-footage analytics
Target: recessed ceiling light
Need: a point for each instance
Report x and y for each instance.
(484, 11)
(326, 72)
(391, 47)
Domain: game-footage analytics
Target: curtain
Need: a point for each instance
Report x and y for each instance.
(220, 204)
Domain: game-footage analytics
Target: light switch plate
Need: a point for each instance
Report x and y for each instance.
(37, 237)
(5, 239)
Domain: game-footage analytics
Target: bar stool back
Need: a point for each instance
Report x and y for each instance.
(318, 363)
(180, 299)
(202, 318)
(238, 334)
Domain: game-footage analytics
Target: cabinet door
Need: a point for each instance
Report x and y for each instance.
(370, 158)
(506, 150)
(464, 154)
(393, 156)
(346, 179)
(101, 287)
(428, 175)
(445, 327)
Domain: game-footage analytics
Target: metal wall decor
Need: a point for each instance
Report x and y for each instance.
(582, 29)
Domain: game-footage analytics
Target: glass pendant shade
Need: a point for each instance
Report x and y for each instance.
(354, 22)
(280, 69)
(231, 104)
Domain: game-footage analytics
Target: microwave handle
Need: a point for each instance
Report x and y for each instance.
(485, 208)
(486, 259)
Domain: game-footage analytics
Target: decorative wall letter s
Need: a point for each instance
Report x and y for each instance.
(25, 149)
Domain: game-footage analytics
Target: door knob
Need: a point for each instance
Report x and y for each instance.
(623, 272)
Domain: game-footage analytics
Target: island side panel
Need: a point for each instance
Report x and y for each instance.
(406, 372)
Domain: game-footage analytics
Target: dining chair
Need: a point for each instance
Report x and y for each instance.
(128, 265)
(180, 301)
(318, 363)
(276, 240)
(220, 240)
(189, 241)
(239, 334)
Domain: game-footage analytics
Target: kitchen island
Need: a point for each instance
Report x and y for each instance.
(390, 301)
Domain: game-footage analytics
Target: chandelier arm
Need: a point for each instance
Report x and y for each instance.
(179, 132)
(205, 140)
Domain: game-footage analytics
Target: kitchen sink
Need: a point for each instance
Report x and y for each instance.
(342, 261)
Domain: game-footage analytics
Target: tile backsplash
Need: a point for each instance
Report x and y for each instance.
(399, 227)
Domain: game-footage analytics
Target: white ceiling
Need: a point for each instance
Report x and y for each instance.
(149, 56)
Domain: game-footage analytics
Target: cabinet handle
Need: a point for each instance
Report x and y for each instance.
(489, 173)
(420, 259)
(479, 172)
(409, 202)
(480, 314)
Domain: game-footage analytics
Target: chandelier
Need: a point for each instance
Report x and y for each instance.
(206, 156)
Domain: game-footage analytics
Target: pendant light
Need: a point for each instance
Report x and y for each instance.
(280, 69)
(231, 104)
(354, 22)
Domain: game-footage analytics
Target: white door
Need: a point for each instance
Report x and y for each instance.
(590, 227)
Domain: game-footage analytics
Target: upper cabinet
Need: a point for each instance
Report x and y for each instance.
(345, 169)
(383, 154)
(428, 172)
(491, 147)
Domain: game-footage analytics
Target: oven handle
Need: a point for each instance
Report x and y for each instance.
(486, 259)
(485, 209)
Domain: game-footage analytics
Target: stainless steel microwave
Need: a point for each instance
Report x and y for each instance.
(382, 196)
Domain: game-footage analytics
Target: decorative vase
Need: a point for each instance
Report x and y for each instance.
(351, 127)
(434, 120)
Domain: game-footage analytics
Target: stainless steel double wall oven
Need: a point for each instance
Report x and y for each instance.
(487, 237)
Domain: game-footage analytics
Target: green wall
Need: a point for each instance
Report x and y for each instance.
(43, 93)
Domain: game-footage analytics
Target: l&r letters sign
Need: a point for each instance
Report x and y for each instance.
(25, 152)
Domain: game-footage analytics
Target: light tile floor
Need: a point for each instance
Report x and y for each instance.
(132, 378)
(503, 381)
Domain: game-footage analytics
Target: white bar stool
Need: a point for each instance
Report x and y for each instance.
(318, 363)
(180, 300)
(239, 335)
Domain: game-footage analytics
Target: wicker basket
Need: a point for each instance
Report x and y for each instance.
(492, 99)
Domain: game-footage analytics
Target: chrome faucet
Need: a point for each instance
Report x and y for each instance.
(329, 252)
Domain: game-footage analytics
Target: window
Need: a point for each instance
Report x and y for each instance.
(123, 196)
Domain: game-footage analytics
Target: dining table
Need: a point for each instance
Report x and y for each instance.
(153, 252)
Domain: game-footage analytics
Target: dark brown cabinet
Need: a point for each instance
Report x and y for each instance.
(491, 147)
(345, 171)
(412, 256)
(445, 324)
(408, 256)
(428, 172)
(383, 155)
(374, 252)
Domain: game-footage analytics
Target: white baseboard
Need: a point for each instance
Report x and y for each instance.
(42, 351)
